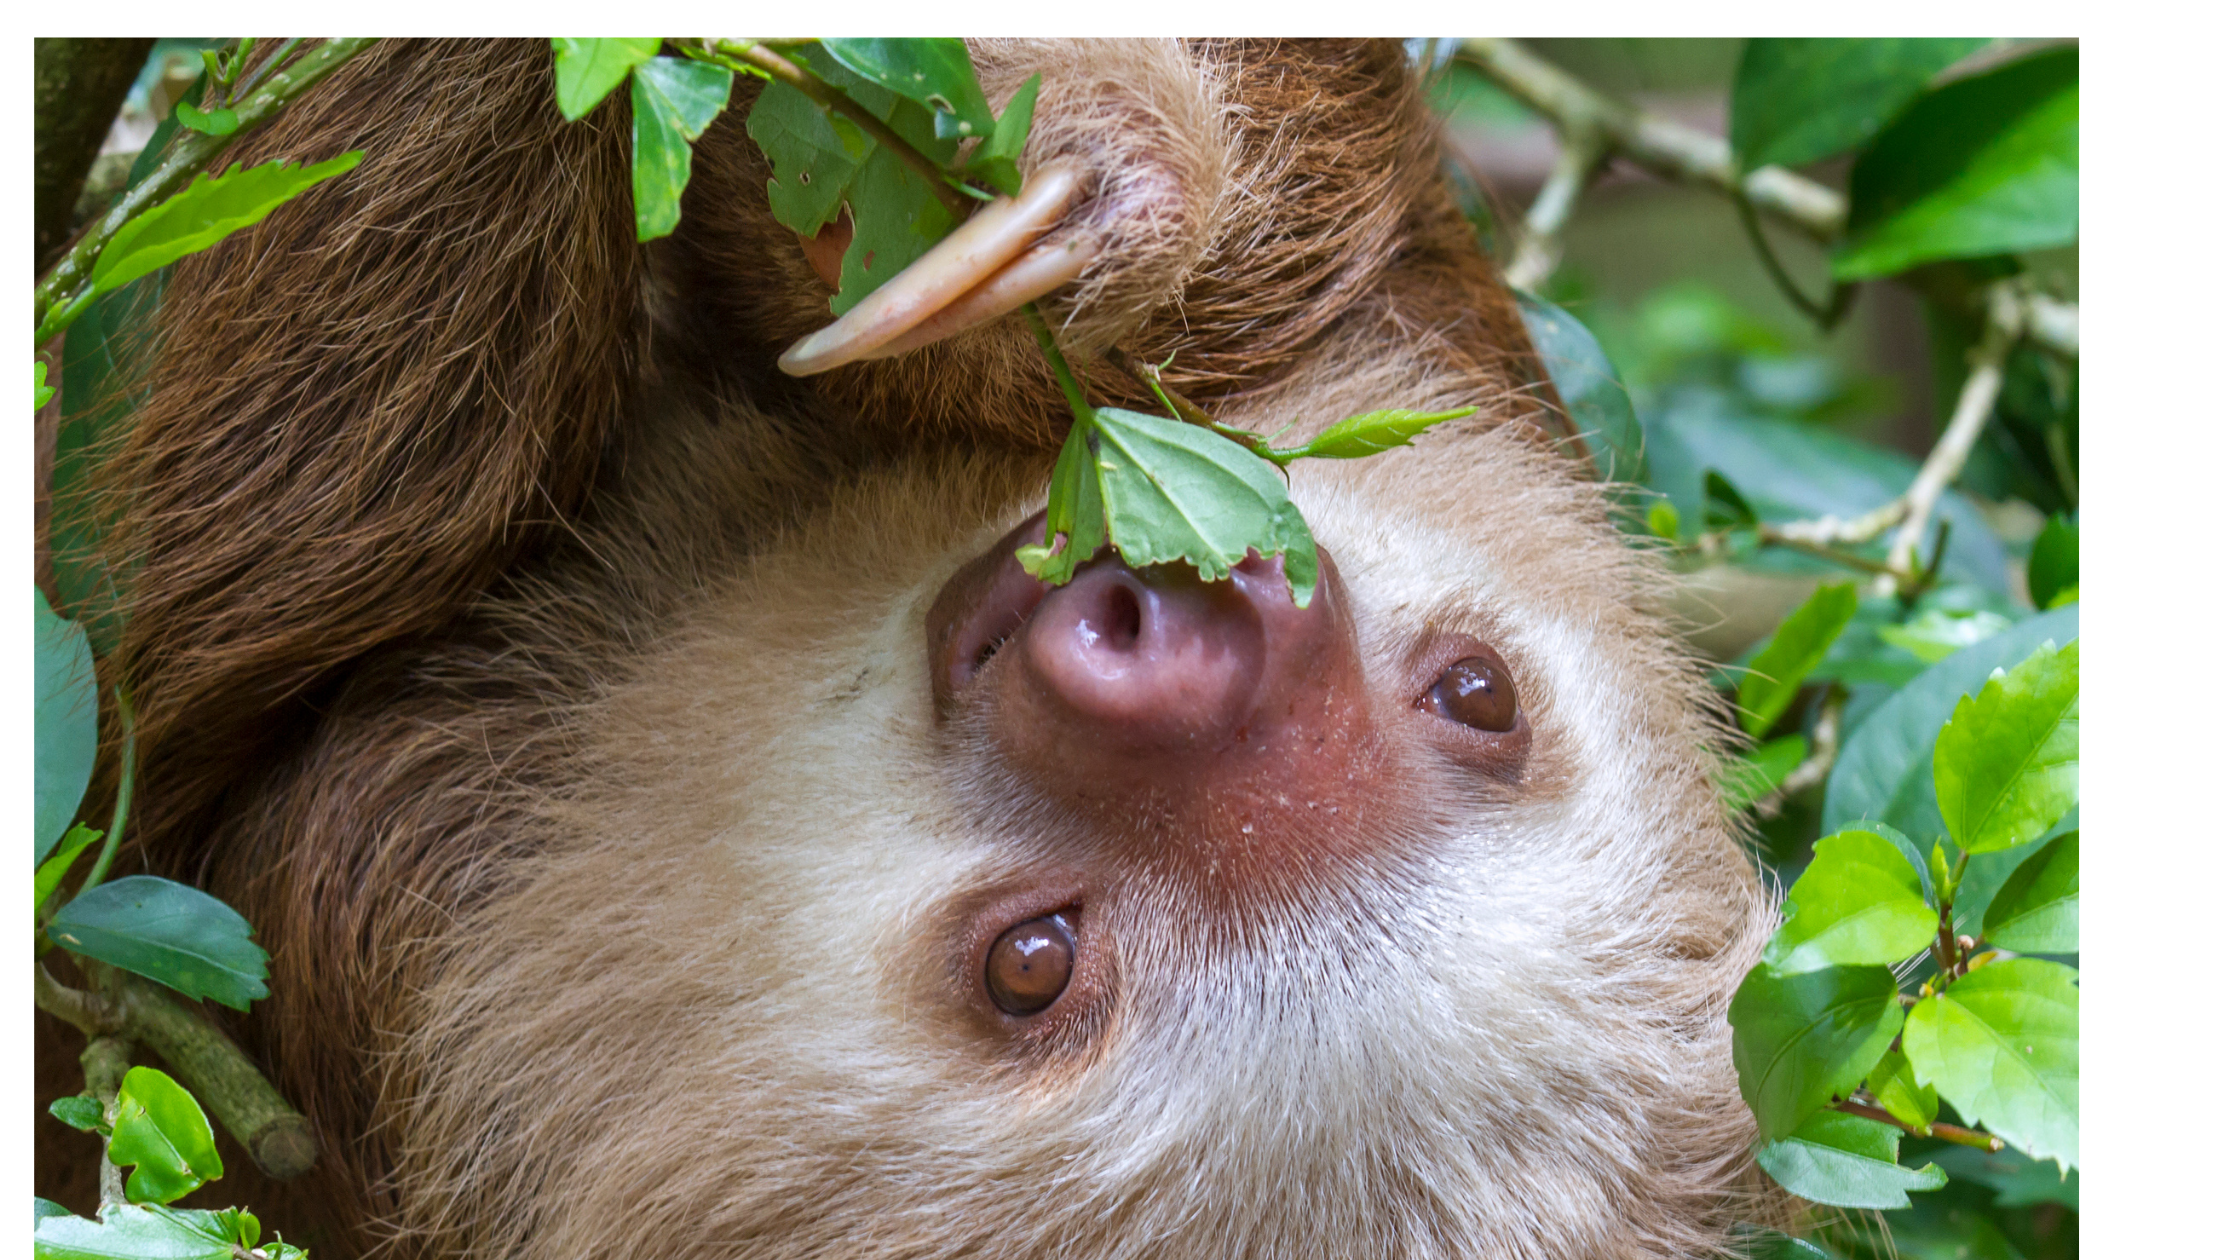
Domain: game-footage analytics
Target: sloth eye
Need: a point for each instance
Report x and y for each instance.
(1029, 965)
(1476, 692)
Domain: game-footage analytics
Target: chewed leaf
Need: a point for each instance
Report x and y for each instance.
(1076, 511)
(162, 1133)
(1174, 491)
(585, 70)
(936, 73)
(168, 932)
(215, 122)
(204, 213)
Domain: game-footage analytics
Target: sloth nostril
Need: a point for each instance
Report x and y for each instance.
(1030, 965)
(1123, 619)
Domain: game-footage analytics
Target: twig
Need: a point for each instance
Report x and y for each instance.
(772, 65)
(1540, 245)
(2050, 324)
(1827, 733)
(104, 1061)
(1654, 144)
(1987, 370)
(1825, 314)
(1937, 1129)
(63, 293)
(124, 1008)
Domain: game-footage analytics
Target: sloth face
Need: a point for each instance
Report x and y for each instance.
(934, 911)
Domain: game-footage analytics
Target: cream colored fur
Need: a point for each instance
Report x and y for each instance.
(713, 1017)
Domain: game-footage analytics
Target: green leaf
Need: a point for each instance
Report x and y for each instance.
(671, 102)
(40, 390)
(57, 865)
(2035, 911)
(204, 213)
(995, 162)
(1724, 507)
(1664, 522)
(1589, 388)
(65, 723)
(41, 1209)
(2019, 1180)
(1800, 100)
(1174, 491)
(936, 73)
(2000, 1045)
(101, 384)
(1750, 777)
(168, 932)
(1076, 510)
(819, 163)
(1893, 1085)
(1846, 1161)
(1982, 166)
(1859, 902)
(1802, 1040)
(585, 70)
(2053, 562)
(80, 1113)
(1803, 637)
(136, 1232)
(216, 122)
(1935, 633)
(1370, 433)
(1885, 770)
(1756, 1242)
(2006, 764)
(164, 1136)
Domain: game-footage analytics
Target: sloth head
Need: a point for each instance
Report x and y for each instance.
(908, 906)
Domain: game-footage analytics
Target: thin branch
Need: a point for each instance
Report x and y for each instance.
(1824, 314)
(1827, 740)
(772, 65)
(1657, 145)
(1938, 1129)
(104, 1061)
(64, 291)
(1987, 370)
(1540, 245)
(2050, 324)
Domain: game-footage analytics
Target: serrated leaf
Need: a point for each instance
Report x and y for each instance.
(215, 122)
(1858, 903)
(136, 1232)
(1885, 770)
(936, 73)
(1802, 638)
(163, 1136)
(671, 102)
(204, 213)
(2000, 1045)
(1801, 1040)
(40, 390)
(1846, 1161)
(65, 723)
(1800, 100)
(1893, 1085)
(50, 872)
(1935, 634)
(1983, 166)
(168, 932)
(1754, 774)
(2053, 562)
(2035, 911)
(1370, 433)
(1076, 511)
(1174, 491)
(2006, 764)
(80, 1113)
(1589, 387)
(585, 70)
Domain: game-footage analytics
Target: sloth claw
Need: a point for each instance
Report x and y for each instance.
(991, 264)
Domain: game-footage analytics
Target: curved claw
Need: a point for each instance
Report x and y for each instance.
(974, 263)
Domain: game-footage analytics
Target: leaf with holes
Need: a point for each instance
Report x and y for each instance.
(936, 73)
(2035, 911)
(2006, 764)
(168, 932)
(163, 1136)
(671, 102)
(585, 70)
(1174, 491)
(1846, 1161)
(1802, 638)
(2000, 1045)
(1802, 1040)
(1859, 902)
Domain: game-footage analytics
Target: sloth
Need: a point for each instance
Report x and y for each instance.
(680, 825)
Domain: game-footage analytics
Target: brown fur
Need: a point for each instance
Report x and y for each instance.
(443, 486)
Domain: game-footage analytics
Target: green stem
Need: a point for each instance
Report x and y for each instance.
(1937, 1129)
(64, 290)
(124, 796)
(1048, 344)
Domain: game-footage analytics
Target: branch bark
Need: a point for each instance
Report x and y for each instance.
(77, 87)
